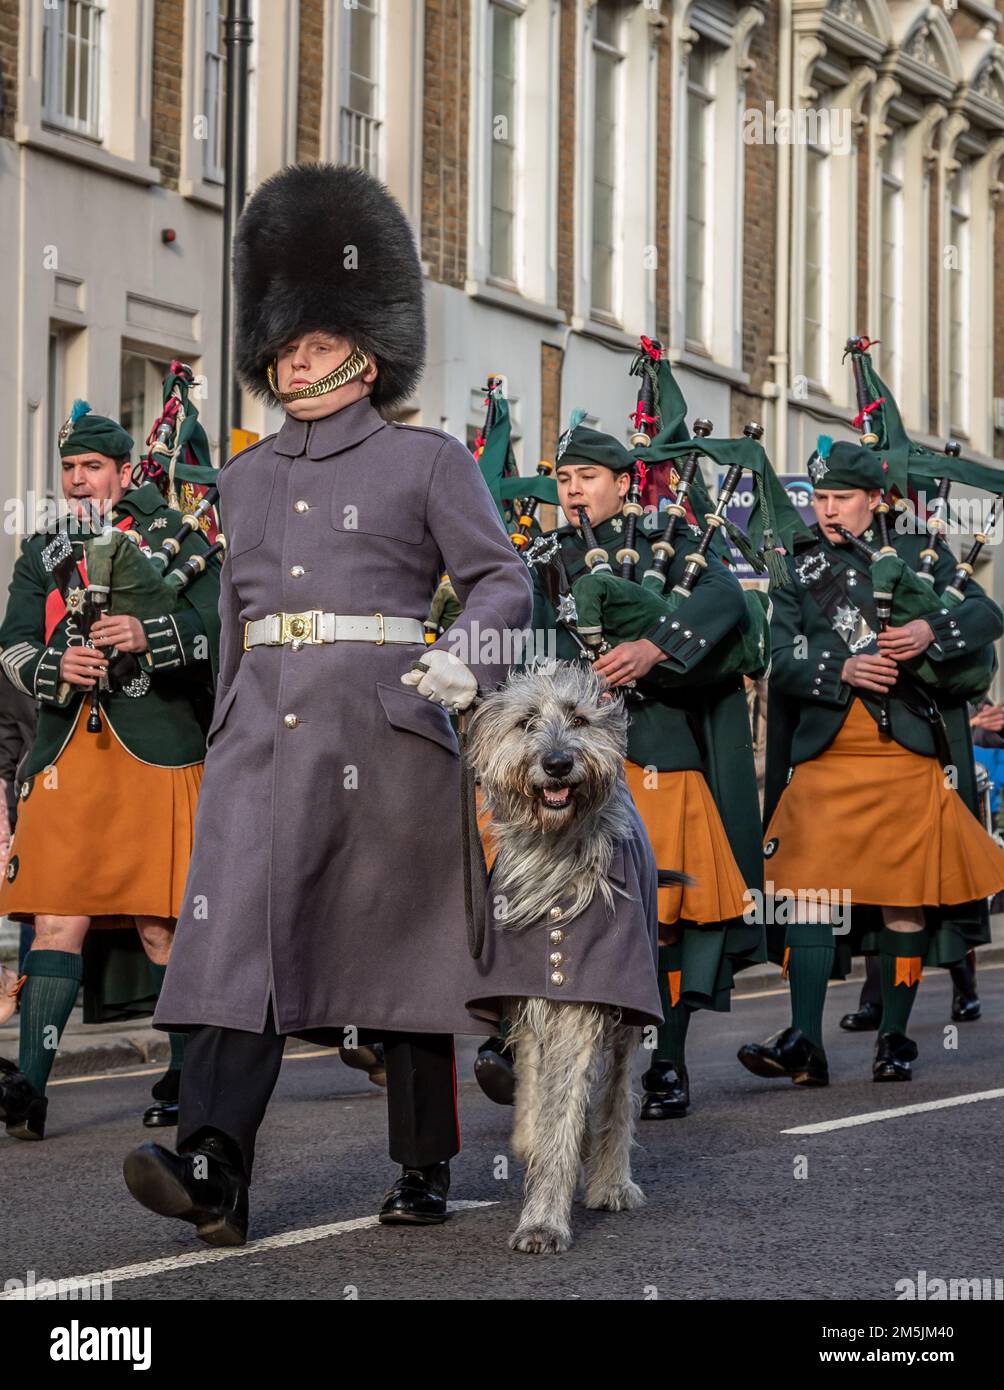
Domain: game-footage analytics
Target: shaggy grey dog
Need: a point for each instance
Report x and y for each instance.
(549, 750)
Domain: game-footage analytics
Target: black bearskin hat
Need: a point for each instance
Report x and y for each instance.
(325, 246)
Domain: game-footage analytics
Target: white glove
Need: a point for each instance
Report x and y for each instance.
(443, 677)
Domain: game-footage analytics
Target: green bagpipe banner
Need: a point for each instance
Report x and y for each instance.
(493, 451)
(774, 520)
(912, 464)
(178, 458)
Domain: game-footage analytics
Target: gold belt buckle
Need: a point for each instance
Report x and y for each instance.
(297, 627)
(383, 636)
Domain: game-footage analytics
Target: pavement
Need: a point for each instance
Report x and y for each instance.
(92, 1047)
(742, 1202)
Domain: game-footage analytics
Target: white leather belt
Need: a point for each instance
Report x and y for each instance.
(304, 629)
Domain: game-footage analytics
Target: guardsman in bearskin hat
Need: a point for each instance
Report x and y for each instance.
(311, 907)
(869, 844)
(109, 787)
(698, 805)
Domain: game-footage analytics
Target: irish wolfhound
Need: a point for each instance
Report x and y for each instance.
(549, 750)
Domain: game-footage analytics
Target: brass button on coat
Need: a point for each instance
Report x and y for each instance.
(301, 506)
(297, 571)
(557, 978)
(290, 721)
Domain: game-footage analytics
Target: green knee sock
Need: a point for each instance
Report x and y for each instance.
(177, 1039)
(809, 964)
(672, 1044)
(895, 948)
(47, 998)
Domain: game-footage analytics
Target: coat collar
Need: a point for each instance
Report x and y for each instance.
(147, 499)
(319, 439)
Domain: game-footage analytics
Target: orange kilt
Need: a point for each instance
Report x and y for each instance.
(869, 816)
(102, 834)
(687, 834)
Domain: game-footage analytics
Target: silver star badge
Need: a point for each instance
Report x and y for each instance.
(158, 524)
(818, 469)
(847, 618)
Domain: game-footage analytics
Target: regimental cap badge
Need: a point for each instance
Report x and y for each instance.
(576, 419)
(818, 467)
(78, 411)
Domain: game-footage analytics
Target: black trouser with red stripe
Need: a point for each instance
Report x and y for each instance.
(229, 1075)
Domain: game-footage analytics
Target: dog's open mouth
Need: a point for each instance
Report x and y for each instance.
(557, 798)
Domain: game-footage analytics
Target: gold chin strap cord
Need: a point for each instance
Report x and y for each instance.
(354, 365)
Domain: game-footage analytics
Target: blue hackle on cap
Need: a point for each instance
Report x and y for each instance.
(79, 409)
(823, 445)
(576, 418)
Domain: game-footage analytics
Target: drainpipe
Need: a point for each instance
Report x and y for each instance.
(779, 358)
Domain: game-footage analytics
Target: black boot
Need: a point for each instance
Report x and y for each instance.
(966, 1007)
(368, 1057)
(789, 1053)
(666, 1091)
(206, 1187)
(864, 1020)
(164, 1111)
(493, 1070)
(418, 1197)
(893, 1056)
(21, 1106)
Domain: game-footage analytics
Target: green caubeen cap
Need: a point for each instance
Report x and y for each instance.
(579, 444)
(83, 432)
(844, 464)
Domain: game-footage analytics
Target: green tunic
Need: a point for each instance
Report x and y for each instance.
(166, 726)
(690, 719)
(809, 702)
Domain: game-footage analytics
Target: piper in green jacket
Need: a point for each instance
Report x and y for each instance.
(690, 757)
(106, 818)
(857, 814)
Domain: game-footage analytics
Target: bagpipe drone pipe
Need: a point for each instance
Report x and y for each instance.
(909, 593)
(125, 576)
(618, 607)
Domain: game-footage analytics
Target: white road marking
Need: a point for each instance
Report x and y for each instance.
(850, 1120)
(285, 1241)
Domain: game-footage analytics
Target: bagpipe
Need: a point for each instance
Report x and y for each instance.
(904, 594)
(610, 608)
(516, 497)
(124, 575)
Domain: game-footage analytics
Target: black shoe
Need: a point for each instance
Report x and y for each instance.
(369, 1058)
(165, 1093)
(966, 1008)
(21, 1106)
(865, 1020)
(893, 1056)
(666, 1091)
(161, 1114)
(418, 1198)
(201, 1187)
(494, 1072)
(789, 1053)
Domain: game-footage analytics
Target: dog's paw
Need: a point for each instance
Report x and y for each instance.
(625, 1196)
(540, 1240)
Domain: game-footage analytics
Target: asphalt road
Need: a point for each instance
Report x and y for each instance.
(727, 1217)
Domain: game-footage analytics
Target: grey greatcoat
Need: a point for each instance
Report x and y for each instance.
(327, 872)
(594, 958)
